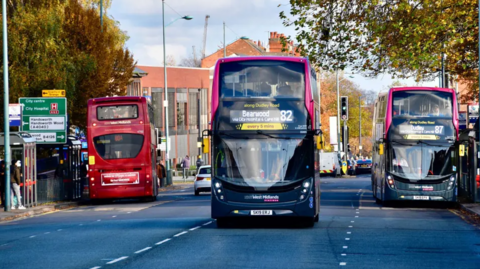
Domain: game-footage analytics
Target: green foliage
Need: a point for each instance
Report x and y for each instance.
(59, 44)
(405, 38)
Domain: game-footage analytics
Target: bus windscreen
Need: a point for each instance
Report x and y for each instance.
(262, 162)
(422, 104)
(275, 79)
(117, 112)
(118, 146)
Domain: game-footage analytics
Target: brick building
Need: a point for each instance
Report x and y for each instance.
(187, 88)
(247, 47)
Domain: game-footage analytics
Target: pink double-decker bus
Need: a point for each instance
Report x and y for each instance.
(415, 130)
(264, 131)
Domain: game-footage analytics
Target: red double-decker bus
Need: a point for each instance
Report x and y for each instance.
(121, 148)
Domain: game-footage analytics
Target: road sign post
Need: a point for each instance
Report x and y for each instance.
(45, 119)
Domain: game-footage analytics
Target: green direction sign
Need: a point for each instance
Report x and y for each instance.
(45, 119)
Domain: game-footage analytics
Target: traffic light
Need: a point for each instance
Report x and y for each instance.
(348, 148)
(344, 108)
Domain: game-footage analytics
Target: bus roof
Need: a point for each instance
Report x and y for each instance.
(257, 58)
(117, 99)
(417, 88)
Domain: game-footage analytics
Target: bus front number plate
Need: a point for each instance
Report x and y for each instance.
(420, 198)
(261, 212)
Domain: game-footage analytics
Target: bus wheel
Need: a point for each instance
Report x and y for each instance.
(222, 223)
(317, 217)
(197, 193)
(309, 222)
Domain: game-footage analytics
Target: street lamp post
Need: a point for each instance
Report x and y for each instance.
(6, 123)
(165, 92)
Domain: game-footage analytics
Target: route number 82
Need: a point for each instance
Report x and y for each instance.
(286, 115)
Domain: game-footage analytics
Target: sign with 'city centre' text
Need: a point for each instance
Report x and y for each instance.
(45, 119)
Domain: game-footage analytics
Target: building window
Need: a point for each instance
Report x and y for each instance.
(181, 110)
(145, 91)
(157, 101)
(193, 110)
(171, 109)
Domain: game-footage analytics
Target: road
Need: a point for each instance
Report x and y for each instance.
(176, 232)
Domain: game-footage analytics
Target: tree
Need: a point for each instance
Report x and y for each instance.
(58, 44)
(192, 60)
(170, 60)
(405, 38)
(329, 108)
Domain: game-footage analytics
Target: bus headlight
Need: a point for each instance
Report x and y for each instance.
(218, 190)
(391, 182)
(305, 188)
(451, 183)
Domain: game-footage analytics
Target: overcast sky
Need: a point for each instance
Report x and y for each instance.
(142, 20)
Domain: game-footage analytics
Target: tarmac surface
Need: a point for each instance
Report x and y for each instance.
(176, 231)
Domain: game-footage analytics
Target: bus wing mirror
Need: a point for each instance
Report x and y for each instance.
(206, 145)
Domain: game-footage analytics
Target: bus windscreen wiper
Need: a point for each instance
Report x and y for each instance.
(233, 136)
(271, 136)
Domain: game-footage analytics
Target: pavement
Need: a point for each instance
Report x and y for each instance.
(52, 207)
(176, 231)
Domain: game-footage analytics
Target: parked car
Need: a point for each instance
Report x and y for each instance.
(203, 180)
(330, 164)
(351, 167)
(363, 166)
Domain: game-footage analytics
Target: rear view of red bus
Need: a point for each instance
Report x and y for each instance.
(121, 148)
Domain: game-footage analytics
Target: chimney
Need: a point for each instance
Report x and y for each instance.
(271, 34)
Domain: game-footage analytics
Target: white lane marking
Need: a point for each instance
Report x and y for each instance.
(345, 246)
(129, 212)
(32, 236)
(182, 233)
(343, 263)
(356, 216)
(59, 230)
(99, 220)
(117, 260)
(47, 233)
(357, 212)
(193, 229)
(182, 190)
(142, 250)
(352, 221)
(161, 242)
(114, 216)
(347, 239)
(349, 232)
(205, 224)
(96, 267)
(350, 226)
(80, 224)
(344, 254)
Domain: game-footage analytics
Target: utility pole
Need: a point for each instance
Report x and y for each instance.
(101, 15)
(6, 123)
(224, 45)
(165, 102)
(205, 36)
(338, 114)
(360, 124)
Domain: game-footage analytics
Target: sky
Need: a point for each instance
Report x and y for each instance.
(142, 20)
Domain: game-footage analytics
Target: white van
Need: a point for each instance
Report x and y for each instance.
(330, 164)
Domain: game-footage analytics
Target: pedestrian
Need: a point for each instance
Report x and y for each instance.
(2, 182)
(185, 166)
(15, 182)
(161, 173)
(199, 162)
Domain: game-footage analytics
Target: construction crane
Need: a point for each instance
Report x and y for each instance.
(205, 36)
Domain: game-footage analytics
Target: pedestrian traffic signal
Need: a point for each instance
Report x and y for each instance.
(344, 108)
(348, 148)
